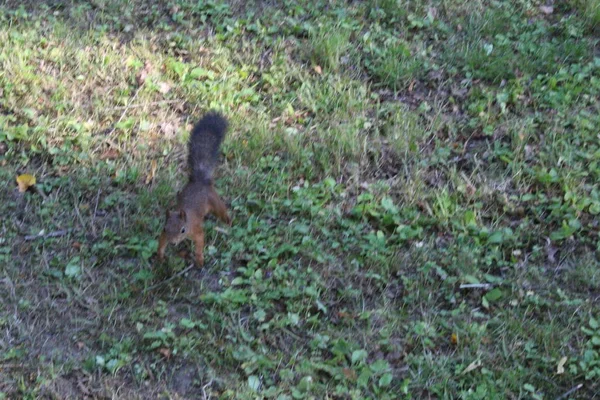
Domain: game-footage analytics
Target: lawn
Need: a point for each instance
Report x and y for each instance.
(413, 187)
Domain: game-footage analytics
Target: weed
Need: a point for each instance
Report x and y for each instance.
(413, 191)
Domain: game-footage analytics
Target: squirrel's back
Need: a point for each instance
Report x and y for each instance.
(204, 144)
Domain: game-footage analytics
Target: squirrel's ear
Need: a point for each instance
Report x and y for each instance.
(182, 214)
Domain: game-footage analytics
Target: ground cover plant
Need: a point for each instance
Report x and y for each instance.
(413, 188)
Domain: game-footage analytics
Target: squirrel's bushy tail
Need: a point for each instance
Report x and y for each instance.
(204, 144)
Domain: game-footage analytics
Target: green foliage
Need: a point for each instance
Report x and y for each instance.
(588, 364)
(330, 44)
(394, 64)
(413, 190)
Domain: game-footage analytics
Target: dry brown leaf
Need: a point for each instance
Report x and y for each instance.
(454, 339)
(471, 190)
(560, 368)
(168, 129)
(141, 77)
(25, 181)
(143, 74)
(183, 254)
(318, 69)
(109, 154)
(166, 353)
(344, 314)
(350, 374)
(152, 174)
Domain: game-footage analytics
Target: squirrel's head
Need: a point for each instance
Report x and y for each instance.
(176, 226)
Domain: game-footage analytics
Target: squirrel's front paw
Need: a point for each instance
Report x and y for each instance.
(200, 259)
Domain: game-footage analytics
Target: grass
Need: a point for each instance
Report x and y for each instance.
(414, 195)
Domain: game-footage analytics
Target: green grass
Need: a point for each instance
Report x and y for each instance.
(413, 190)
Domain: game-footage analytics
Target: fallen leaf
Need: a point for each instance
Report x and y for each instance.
(560, 368)
(344, 314)
(350, 374)
(110, 154)
(143, 74)
(470, 189)
(76, 245)
(454, 339)
(163, 87)
(25, 181)
(168, 129)
(152, 174)
(165, 352)
(474, 365)
(550, 251)
(318, 69)
(547, 9)
(183, 254)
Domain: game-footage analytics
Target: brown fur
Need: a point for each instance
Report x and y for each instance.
(199, 197)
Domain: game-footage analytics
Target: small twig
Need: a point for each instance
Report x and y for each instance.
(7, 366)
(292, 334)
(47, 235)
(125, 108)
(153, 103)
(168, 279)
(94, 216)
(40, 192)
(204, 396)
(570, 392)
(79, 216)
(222, 230)
(476, 286)
(114, 128)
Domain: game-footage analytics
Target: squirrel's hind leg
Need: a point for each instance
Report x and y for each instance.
(218, 207)
(198, 238)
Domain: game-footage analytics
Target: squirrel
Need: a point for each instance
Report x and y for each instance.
(198, 197)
